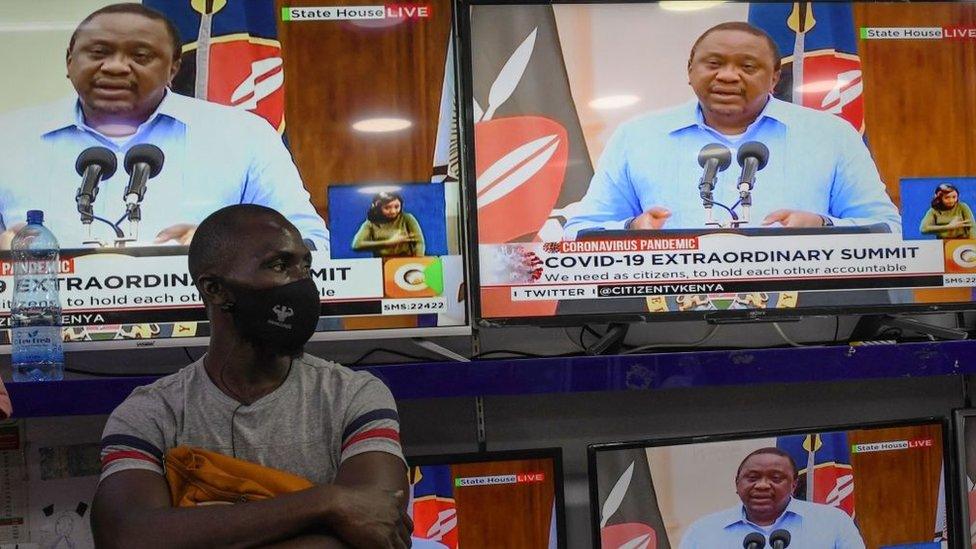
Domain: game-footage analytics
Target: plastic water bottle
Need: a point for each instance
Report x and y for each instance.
(35, 311)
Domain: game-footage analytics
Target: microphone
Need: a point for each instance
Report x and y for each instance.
(93, 165)
(715, 158)
(779, 539)
(142, 162)
(753, 157)
(755, 540)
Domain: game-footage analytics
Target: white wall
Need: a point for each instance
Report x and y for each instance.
(33, 42)
(631, 49)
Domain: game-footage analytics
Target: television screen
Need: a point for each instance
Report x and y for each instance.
(697, 158)
(306, 109)
(965, 428)
(875, 486)
(488, 500)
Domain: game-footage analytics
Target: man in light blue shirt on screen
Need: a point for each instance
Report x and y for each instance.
(121, 60)
(820, 173)
(764, 482)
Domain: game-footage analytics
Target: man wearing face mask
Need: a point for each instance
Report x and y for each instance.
(256, 397)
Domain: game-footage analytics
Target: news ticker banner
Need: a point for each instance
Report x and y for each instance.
(114, 288)
(723, 263)
(918, 33)
(354, 13)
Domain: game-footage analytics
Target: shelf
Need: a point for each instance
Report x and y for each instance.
(575, 374)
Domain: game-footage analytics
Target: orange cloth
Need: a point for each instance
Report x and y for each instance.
(201, 477)
(5, 408)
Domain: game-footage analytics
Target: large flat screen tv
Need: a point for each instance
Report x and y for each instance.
(665, 160)
(965, 429)
(868, 485)
(488, 500)
(330, 129)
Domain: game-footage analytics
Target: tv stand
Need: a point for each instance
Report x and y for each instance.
(870, 327)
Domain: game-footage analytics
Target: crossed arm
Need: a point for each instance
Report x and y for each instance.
(364, 507)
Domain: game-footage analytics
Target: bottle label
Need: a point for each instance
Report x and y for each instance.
(36, 344)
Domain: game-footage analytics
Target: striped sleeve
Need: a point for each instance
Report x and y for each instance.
(129, 452)
(372, 424)
(135, 433)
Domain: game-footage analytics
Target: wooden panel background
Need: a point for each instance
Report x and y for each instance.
(920, 100)
(504, 515)
(919, 95)
(896, 492)
(338, 72)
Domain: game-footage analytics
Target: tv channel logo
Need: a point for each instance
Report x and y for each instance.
(407, 277)
(960, 256)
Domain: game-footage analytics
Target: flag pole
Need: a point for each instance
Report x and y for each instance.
(800, 21)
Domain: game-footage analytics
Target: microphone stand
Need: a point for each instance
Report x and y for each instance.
(745, 200)
(708, 199)
(133, 204)
(705, 190)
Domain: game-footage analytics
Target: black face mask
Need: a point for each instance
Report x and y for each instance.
(281, 319)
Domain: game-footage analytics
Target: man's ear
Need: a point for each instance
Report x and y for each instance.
(174, 70)
(776, 74)
(214, 291)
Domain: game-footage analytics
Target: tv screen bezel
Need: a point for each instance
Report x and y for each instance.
(464, 73)
(953, 518)
(553, 453)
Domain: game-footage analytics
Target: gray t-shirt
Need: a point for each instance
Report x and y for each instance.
(321, 415)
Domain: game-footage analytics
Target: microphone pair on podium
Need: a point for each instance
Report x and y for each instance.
(779, 539)
(96, 164)
(715, 158)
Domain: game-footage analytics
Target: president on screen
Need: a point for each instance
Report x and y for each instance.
(121, 60)
(819, 171)
(765, 482)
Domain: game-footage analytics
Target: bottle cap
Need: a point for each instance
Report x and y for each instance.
(35, 217)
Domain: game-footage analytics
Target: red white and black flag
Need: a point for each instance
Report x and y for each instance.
(629, 512)
(231, 54)
(530, 154)
(821, 67)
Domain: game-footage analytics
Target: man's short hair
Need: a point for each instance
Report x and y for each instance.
(743, 27)
(769, 450)
(136, 9)
(218, 237)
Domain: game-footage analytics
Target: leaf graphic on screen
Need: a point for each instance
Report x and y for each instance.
(616, 496)
(640, 542)
(843, 488)
(510, 75)
(265, 78)
(514, 169)
(846, 89)
(446, 521)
